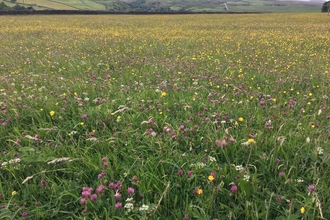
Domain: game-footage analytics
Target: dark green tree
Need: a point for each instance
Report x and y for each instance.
(326, 6)
(4, 7)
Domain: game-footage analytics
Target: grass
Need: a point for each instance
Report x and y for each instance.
(165, 117)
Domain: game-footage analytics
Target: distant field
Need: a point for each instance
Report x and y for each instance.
(176, 5)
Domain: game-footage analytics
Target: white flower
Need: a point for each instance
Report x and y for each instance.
(246, 178)
(212, 159)
(16, 160)
(319, 150)
(129, 199)
(144, 208)
(129, 206)
(239, 167)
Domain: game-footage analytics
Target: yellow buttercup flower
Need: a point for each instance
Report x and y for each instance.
(211, 178)
(13, 193)
(51, 113)
(251, 140)
(240, 119)
(302, 210)
(199, 191)
(164, 94)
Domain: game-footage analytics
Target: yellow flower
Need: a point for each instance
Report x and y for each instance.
(302, 210)
(251, 140)
(211, 178)
(240, 119)
(118, 117)
(13, 193)
(82, 123)
(164, 94)
(52, 113)
(199, 191)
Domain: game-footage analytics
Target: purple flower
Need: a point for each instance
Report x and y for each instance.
(85, 194)
(100, 189)
(43, 182)
(93, 197)
(180, 172)
(130, 191)
(24, 214)
(221, 143)
(83, 201)
(233, 189)
(311, 188)
(118, 205)
(84, 116)
(190, 173)
(281, 174)
(117, 196)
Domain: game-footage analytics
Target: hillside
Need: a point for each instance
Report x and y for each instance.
(176, 5)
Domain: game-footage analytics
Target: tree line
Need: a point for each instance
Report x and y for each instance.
(326, 6)
(17, 7)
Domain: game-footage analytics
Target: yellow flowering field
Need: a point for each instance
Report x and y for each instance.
(165, 116)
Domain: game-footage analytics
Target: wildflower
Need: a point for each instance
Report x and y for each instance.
(82, 123)
(100, 189)
(84, 116)
(319, 150)
(281, 174)
(210, 178)
(164, 94)
(278, 198)
(199, 191)
(239, 167)
(250, 140)
(43, 182)
(24, 214)
(180, 172)
(311, 188)
(246, 178)
(189, 173)
(52, 113)
(118, 205)
(212, 159)
(129, 206)
(130, 191)
(302, 210)
(231, 139)
(83, 201)
(144, 208)
(93, 197)
(240, 119)
(13, 193)
(221, 143)
(233, 188)
(117, 196)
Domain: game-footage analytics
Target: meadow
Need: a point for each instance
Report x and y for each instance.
(165, 117)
